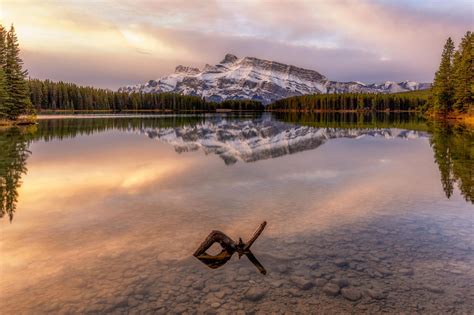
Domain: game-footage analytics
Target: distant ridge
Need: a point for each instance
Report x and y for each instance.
(259, 79)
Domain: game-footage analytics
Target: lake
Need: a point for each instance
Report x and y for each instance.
(365, 213)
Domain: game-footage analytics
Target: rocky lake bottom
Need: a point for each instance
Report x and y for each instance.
(395, 265)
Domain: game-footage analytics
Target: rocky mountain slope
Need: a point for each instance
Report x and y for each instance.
(258, 79)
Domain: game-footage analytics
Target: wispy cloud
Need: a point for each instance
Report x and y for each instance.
(133, 41)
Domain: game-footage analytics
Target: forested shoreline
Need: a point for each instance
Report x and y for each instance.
(60, 96)
(351, 102)
(451, 94)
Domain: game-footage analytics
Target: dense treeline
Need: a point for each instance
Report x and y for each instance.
(14, 95)
(240, 105)
(48, 95)
(452, 90)
(453, 86)
(351, 102)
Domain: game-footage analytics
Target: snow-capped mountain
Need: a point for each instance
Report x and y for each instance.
(259, 139)
(258, 79)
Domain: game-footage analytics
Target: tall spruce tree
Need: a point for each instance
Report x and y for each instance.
(443, 85)
(3, 84)
(463, 74)
(3, 96)
(17, 87)
(3, 46)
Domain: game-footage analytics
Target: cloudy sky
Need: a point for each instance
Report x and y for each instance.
(110, 43)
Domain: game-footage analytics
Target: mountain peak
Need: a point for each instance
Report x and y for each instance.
(259, 79)
(229, 58)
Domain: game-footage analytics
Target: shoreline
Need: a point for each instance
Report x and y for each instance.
(25, 121)
(466, 119)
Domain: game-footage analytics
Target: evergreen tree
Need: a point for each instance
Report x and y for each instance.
(3, 96)
(3, 84)
(3, 47)
(17, 86)
(443, 85)
(463, 74)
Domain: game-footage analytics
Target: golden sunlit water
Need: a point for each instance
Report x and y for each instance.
(110, 210)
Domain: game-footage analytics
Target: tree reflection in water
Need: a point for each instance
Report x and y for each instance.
(453, 147)
(14, 143)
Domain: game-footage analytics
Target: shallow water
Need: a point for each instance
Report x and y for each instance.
(109, 212)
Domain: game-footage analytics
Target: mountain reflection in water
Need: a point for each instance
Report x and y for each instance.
(254, 140)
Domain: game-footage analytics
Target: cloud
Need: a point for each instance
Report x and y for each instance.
(111, 43)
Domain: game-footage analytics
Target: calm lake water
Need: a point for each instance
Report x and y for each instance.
(365, 214)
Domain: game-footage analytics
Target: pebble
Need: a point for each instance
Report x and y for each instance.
(276, 283)
(283, 269)
(294, 292)
(317, 274)
(302, 283)
(331, 289)
(314, 266)
(221, 294)
(375, 294)
(242, 278)
(179, 309)
(433, 289)
(198, 285)
(341, 263)
(320, 282)
(214, 287)
(341, 282)
(406, 271)
(182, 298)
(374, 274)
(255, 294)
(132, 302)
(384, 271)
(352, 294)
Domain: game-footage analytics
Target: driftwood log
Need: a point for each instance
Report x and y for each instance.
(229, 247)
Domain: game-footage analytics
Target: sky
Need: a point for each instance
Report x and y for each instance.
(109, 44)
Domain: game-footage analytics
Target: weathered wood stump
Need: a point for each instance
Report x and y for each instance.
(229, 247)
